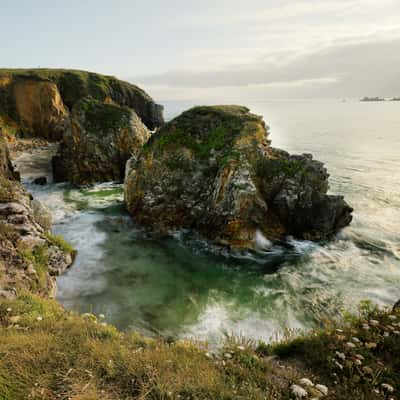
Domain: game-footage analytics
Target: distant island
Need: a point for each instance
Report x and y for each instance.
(379, 99)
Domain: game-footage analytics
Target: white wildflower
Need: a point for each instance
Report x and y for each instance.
(241, 348)
(350, 345)
(388, 388)
(355, 340)
(373, 322)
(102, 316)
(228, 355)
(306, 382)
(322, 388)
(342, 356)
(9, 309)
(39, 318)
(298, 392)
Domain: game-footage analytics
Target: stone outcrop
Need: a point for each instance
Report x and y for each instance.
(212, 169)
(38, 101)
(98, 142)
(29, 255)
(40, 109)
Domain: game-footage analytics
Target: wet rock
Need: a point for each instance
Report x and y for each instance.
(41, 180)
(212, 169)
(98, 143)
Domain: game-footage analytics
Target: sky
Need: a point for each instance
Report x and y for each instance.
(214, 49)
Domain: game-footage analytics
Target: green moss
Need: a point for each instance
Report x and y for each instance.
(277, 167)
(61, 243)
(216, 139)
(39, 258)
(100, 117)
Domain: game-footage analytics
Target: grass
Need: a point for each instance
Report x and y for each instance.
(61, 243)
(49, 353)
(7, 190)
(38, 258)
(100, 116)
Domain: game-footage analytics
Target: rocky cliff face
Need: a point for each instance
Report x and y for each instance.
(29, 255)
(212, 169)
(39, 100)
(98, 142)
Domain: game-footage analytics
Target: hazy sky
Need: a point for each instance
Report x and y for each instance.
(214, 49)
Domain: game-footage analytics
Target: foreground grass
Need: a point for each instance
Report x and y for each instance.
(48, 353)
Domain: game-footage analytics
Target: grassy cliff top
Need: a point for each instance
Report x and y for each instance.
(48, 353)
(75, 84)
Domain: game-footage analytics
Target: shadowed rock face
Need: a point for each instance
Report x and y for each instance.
(212, 169)
(29, 258)
(98, 142)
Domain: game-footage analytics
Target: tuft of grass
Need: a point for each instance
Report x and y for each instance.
(60, 242)
(38, 258)
(7, 190)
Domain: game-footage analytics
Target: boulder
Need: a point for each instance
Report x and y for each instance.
(212, 169)
(98, 142)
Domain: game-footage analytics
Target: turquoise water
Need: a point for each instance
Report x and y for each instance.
(181, 286)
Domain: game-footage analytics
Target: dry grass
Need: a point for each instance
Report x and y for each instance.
(47, 353)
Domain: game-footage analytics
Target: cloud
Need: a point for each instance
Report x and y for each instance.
(349, 69)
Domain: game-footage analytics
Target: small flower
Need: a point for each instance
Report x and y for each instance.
(241, 348)
(298, 392)
(322, 388)
(342, 356)
(386, 334)
(387, 388)
(373, 322)
(360, 357)
(392, 317)
(366, 327)
(39, 318)
(228, 355)
(370, 345)
(102, 316)
(340, 366)
(350, 345)
(9, 309)
(355, 340)
(306, 382)
(358, 362)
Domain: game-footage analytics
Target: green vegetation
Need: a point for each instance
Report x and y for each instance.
(100, 116)
(48, 353)
(61, 243)
(288, 167)
(38, 258)
(75, 84)
(216, 139)
(7, 190)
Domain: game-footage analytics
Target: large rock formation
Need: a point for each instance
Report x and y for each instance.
(39, 100)
(98, 142)
(29, 255)
(212, 169)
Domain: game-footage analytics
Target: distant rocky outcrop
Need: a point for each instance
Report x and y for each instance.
(98, 142)
(29, 255)
(212, 169)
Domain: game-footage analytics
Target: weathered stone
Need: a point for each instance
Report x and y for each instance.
(212, 169)
(42, 215)
(98, 143)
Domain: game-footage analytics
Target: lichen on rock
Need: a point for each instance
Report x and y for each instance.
(212, 169)
(98, 142)
(29, 258)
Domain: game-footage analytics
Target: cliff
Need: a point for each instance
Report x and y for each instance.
(30, 256)
(38, 101)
